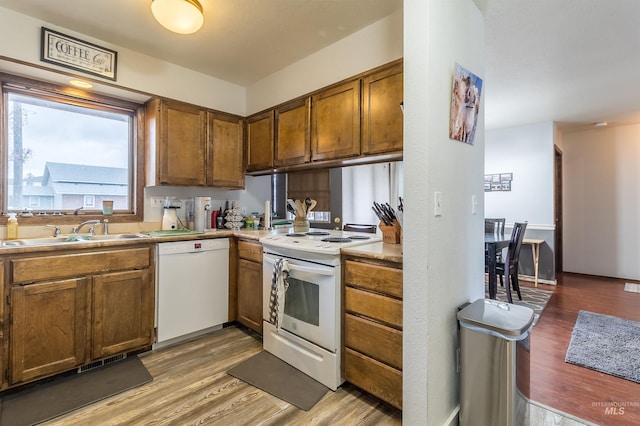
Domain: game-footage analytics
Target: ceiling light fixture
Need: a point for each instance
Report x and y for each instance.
(179, 16)
(81, 84)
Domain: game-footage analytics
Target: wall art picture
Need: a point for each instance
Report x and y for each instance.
(498, 182)
(70, 52)
(465, 105)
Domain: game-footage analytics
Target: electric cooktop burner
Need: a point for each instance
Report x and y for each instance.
(318, 233)
(295, 235)
(359, 237)
(336, 240)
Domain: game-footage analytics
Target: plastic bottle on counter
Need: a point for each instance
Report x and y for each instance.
(12, 227)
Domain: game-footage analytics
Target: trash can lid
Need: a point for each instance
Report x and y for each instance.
(500, 317)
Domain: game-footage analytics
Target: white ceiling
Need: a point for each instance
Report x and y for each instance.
(571, 61)
(241, 41)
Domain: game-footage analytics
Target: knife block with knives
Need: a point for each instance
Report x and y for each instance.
(391, 234)
(389, 225)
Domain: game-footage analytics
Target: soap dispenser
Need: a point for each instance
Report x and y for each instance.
(12, 227)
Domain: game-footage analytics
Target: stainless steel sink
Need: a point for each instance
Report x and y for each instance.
(111, 237)
(34, 242)
(69, 239)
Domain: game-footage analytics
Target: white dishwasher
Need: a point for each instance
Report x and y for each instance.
(192, 294)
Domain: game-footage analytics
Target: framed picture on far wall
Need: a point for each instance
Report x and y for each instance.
(498, 182)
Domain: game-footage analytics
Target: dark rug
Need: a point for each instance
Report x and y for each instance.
(60, 396)
(533, 298)
(281, 380)
(606, 344)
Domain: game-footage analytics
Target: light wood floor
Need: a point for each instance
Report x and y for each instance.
(191, 387)
(576, 390)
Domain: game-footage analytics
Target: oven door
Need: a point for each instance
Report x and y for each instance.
(311, 300)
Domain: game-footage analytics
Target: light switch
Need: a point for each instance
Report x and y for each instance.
(474, 204)
(437, 204)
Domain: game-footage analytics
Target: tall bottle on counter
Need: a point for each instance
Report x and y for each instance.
(220, 219)
(225, 213)
(12, 227)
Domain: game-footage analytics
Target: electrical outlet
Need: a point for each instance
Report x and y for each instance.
(157, 201)
(437, 204)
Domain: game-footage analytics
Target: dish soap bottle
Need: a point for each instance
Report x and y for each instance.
(12, 227)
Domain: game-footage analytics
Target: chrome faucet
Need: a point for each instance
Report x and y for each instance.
(56, 230)
(76, 229)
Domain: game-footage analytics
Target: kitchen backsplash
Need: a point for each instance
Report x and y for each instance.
(251, 199)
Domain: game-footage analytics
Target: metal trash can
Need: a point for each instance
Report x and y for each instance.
(494, 363)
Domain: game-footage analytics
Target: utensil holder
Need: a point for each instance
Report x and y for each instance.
(391, 234)
(300, 225)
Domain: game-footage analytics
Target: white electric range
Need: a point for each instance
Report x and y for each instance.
(309, 334)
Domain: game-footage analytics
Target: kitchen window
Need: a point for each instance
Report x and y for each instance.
(66, 151)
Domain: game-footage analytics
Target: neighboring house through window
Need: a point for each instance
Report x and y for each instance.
(66, 152)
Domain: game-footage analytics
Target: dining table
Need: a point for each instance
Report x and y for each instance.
(493, 243)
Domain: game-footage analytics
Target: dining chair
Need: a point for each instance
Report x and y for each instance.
(509, 268)
(355, 227)
(494, 226)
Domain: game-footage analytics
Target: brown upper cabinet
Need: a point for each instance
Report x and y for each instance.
(382, 118)
(183, 141)
(335, 122)
(260, 141)
(356, 118)
(177, 139)
(292, 133)
(226, 151)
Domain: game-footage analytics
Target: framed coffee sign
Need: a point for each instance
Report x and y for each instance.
(70, 52)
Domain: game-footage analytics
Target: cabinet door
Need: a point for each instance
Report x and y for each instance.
(250, 294)
(181, 144)
(382, 117)
(122, 312)
(3, 335)
(292, 144)
(260, 134)
(226, 151)
(335, 122)
(53, 340)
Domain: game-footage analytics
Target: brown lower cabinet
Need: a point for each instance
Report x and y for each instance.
(372, 327)
(72, 309)
(250, 285)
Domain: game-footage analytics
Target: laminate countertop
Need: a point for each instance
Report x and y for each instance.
(376, 251)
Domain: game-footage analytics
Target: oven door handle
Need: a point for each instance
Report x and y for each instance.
(310, 270)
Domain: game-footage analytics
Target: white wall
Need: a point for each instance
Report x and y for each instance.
(527, 152)
(368, 48)
(601, 191)
(443, 264)
(20, 35)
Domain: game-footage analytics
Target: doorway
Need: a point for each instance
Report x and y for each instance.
(557, 206)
